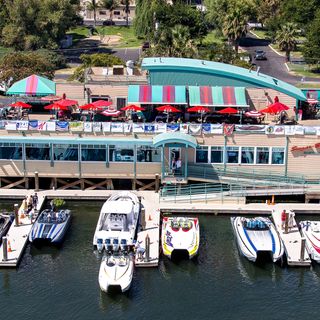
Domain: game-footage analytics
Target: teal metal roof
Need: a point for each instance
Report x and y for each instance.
(180, 71)
(174, 137)
(76, 140)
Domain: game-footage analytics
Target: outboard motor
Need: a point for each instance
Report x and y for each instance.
(124, 245)
(100, 245)
(108, 246)
(116, 244)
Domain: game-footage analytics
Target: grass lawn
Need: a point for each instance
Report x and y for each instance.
(128, 38)
(308, 85)
(304, 70)
(261, 33)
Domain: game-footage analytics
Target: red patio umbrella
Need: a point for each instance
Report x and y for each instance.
(228, 111)
(56, 107)
(132, 107)
(21, 105)
(275, 108)
(102, 103)
(167, 109)
(91, 107)
(199, 109)
(66, 102)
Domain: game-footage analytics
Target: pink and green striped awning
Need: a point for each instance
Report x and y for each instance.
(144, 94)
(217, 96)
(33, 85)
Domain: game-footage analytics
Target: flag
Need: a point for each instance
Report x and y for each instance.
(62, 126)
(106, 126)
(206, 128)
(184, 128)
(96, 126)
(160, 127)
(116, 127)
(33, 125)
(138, 127)
(149, 128)
(195, 128)
(11, 125)
(51, 126)
(228, 129)
(87, 126)
(22, 125)
(299, 130)
(217, 128)
(269, 130)
(76, 126)
(173, 127)
(127, 127)
(42, 125)
(279, 130)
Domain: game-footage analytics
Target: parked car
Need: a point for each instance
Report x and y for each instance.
(260, 55)
(108, 23)
(145, 46)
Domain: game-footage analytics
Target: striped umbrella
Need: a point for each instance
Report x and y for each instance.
(254, 114)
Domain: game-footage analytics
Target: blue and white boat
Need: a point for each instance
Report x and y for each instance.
(257, 237)
(51, 226)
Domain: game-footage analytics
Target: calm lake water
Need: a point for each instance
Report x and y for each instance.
(53, 283)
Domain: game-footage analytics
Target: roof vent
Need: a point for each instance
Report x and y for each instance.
(258, 69)
(202, 62)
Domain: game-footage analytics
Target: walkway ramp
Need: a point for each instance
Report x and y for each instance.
(150, 227)
(292, 242)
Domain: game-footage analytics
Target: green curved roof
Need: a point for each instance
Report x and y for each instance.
(169, 68)
(174, 137)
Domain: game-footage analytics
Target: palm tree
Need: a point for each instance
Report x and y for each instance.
(93, 6)
(182, 45)
(126, 3)
(110, 5)
(287, 38)
(235, 26)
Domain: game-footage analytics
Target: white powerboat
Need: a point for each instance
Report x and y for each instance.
(311, 231)
(181, 234)
(51, 226)
(116, 271)
(257, 236)
(118, 221)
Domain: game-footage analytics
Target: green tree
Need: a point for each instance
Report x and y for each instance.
(311, 46)
(235, 26)
(19, 65)
(33, 24)
(93, 6)
(126, 4)
(287, 38)
(110, 5)
(267, 10)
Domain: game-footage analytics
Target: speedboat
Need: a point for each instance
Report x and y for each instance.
(311, 231)
(51, 226)
(116, 272)
(257, 237)
(180, 234)
(5, 223)
(118, 221)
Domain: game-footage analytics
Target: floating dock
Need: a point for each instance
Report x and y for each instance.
(295, 248)
(149, 235)
(17, 238)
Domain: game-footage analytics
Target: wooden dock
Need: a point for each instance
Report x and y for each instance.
(292, 240)
(17, 238)
(149, 235)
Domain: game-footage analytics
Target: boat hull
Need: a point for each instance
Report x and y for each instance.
(311, 231)
(114, 275)
(181, 239)
(5, 223)
(253, 243)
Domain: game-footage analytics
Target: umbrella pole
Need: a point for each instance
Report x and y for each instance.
(167, 117)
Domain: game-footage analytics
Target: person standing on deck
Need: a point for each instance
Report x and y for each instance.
(35, 201)
(283, 219)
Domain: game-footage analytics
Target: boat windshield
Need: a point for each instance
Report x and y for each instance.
(117, 222)
(185, 224)
(49, 216)
(253, 224)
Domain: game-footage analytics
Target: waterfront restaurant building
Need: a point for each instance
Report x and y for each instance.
(94, 155)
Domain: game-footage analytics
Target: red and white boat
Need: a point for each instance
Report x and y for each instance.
(311, 231)
(180, 234)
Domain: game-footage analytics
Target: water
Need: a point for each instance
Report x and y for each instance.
(53, 283)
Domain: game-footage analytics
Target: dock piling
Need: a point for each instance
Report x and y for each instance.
(286, 226)
(4, 248)
(16, 214)
(157, 182)
(147, 240)
(303, 245)
(36, 181)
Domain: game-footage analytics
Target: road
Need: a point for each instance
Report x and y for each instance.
(274, 65)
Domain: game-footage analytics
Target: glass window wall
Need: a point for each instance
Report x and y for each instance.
(148, 154)
(37, 151)
(65, 152)
(232, 155)
(12, 151)
(202, 155)
(121, 153)
(277, 156)
(247, 155)
(93, 153)
(216, 154)
(262, 155)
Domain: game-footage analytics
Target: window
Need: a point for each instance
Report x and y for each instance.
(102, 13)
(65, 152)
(232, 155)
(12, 151)
(37, 151)
(121, 103)
(116, 13)
(93, 153)
(262, 155)
(247, 155)
(121, 154)
(216, 154)
(148, 154)
(277, 156)
(202, 155)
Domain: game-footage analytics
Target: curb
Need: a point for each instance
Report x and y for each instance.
(270, 46)
(255, 34)
(286, 64)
